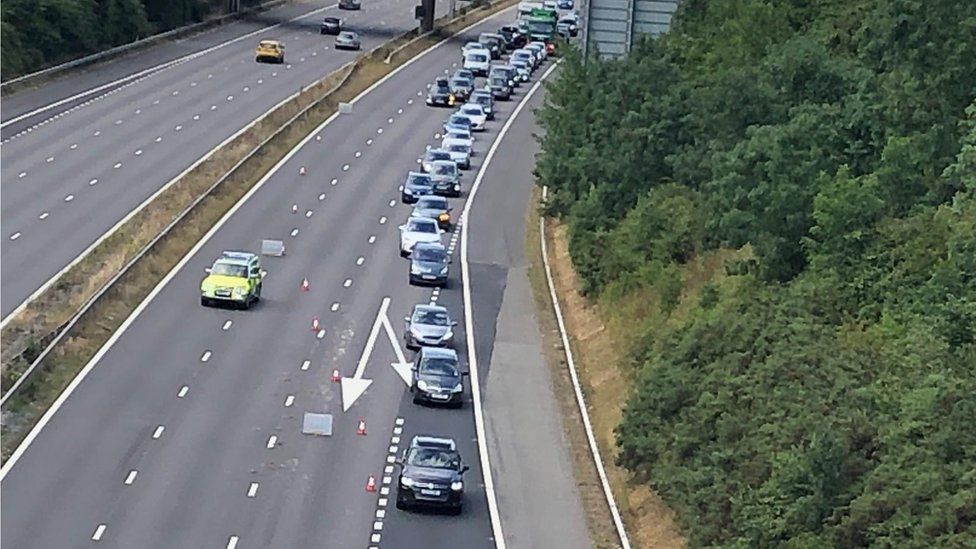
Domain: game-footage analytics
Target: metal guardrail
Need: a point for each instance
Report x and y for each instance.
(65, 328)
(141, 43)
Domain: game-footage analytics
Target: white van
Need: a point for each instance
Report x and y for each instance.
(477, 62)
(525, 8)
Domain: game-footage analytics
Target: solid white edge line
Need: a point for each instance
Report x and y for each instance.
(479, 419)
(159, 67)
(12, 460)
(138, 209)
(580, 398)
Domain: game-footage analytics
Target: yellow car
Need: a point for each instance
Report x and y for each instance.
(235, 278)
(270, 50)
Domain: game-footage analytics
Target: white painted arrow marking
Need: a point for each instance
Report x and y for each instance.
(354, 387)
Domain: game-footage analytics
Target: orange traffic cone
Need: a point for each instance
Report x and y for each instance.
(371, 484)
(361, 430)
(336, 377)
(304, 284)
(294, 208)
(302, 171)
(315, 323)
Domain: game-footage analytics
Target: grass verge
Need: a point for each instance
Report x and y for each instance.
(26, 335)
(599, 346)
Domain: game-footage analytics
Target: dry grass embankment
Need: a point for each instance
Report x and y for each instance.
(236, 172)
(600, 337)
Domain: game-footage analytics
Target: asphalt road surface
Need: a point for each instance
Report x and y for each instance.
(70, 173)
(187, 431)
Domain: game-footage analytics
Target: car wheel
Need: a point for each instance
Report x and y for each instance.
(416, 399)
(457, 510)
(257, 293)
(204, 301)
(246, 304)
(403, 253)
(401, 505)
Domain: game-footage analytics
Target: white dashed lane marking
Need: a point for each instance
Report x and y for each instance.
(306, 364)
(252, 490)
(232, 542)
(360, 260)
(69, 198)
(383, 220)
(372, 238)
(21, 175)
(93, 182)
(43, 216)
(131, 477)
(227, 325)
(333, 182)
(99, 532)
(347, 283)
(117, 165)
(158, 432)
(183, 391)
(206, 355)
(335, 307)
(272, 440)
(289, 400)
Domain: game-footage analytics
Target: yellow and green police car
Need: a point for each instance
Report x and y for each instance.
(234, 278)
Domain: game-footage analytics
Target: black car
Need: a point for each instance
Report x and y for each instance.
(429, 264)
(350, 4)
(331, 25)
(431, 474)
(461, 88)
(415, 186)
(436, 377)
(440, 94)
(500, 88)
(514, 38)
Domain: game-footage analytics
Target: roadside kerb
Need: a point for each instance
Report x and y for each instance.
(104, 325)
(36, 78)
(580, 397)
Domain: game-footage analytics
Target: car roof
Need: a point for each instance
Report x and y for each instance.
(429, 246)
(269, 42)
(236, 257)
(430, 308)
(427, 441)
(432, 198)
(438, 352)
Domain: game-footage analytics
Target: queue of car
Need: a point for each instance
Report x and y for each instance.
(431, 468)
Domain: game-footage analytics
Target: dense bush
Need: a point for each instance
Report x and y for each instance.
(38, 33)
(824, 394)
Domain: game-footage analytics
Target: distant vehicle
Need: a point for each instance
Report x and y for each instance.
(437, 378)
(461, 88)
(430, 326)
(234, 278)
(464, 73)
(477, 62)
(564, 4)
(429, 264)
(514, 37)
(483, 98)
(457, 122)
(508, 72)
(540, 24)
(350, 4)
(416, 186)
(446, 177)
(431, 156)
(272, 51)
(347, 40)
(525, 9)
(452, 138)
(531, 58)
(460, 154)
(500, 87)
(431, 474)
(550, 5)
(331, 25)
(418, 229)
(476, 114)
(568, 26)
(540, 49)
(523, 69)
(495, 43)
(472, 47)
(440, 94)
(434, 207)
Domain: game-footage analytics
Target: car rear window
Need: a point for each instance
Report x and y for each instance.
(421, 226)
(478, 58)
(429, 254)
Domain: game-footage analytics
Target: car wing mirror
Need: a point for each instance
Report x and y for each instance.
(465, 468)
(454, 323)
(207, 270)
(465, 373)
(402, 227)
(406, 319)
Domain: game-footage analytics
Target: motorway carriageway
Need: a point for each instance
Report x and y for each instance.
(71, 173)
(188, 431)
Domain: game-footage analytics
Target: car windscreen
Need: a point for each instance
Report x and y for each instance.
(477, 58)
(460, 147)
(417, 226)
(445, 169)
(434, 458)
(419, 179)
(499, 82)
(438, 155)
(429, 254)
(430, 318)
(473, 111)
(226, 269)
(439, 367)
(432, 203)
(460, 120)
